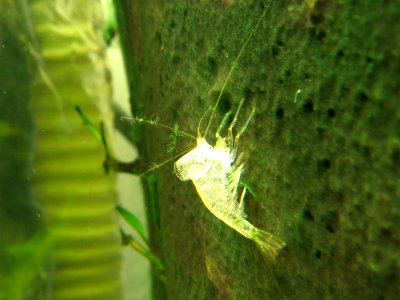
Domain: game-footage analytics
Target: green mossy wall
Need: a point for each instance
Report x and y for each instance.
(325, 167)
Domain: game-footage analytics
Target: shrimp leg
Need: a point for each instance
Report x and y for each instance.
(241, 201)
(242, 130)
(222, 125)
(230, 134)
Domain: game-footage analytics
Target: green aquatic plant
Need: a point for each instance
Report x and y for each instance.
(171, 147)
(129, 217)
(129, 240)
(135, 167)
(133, 221)
(244, 184)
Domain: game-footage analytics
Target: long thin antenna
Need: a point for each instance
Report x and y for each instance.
(233, 67)
(156, 124)
(164, 162)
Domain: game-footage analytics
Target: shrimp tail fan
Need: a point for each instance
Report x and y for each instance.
(268, 245)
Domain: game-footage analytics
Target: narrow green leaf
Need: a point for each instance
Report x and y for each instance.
(129, 240)
(89, 124)
(243, 183)
(133, 221)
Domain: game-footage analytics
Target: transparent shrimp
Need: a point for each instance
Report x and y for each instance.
(215, 172)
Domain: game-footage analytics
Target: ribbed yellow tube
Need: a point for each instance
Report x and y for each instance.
(77, 198)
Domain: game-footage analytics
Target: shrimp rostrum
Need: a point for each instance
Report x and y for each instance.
(215, 172)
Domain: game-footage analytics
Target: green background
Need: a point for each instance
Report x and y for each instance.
(325, 167)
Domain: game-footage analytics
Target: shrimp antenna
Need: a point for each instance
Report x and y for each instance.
(164, 162)
(156, 124)
(233, 67)
(201, 119)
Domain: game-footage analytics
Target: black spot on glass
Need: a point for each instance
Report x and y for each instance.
(307, 215)
(308, 107)
(225, 103)
(339, 54)
(330, 221)
(324, 164)
(288, 73)
(274, 51)
(362, 97)
(317, 19)
(317, 34)
(386, 233)
(331, 113)
(212, 65)
(279, 113)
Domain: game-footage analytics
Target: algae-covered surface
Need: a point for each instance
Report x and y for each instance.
(324, 163)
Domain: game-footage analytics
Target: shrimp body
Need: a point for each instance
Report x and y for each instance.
(215, 174)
